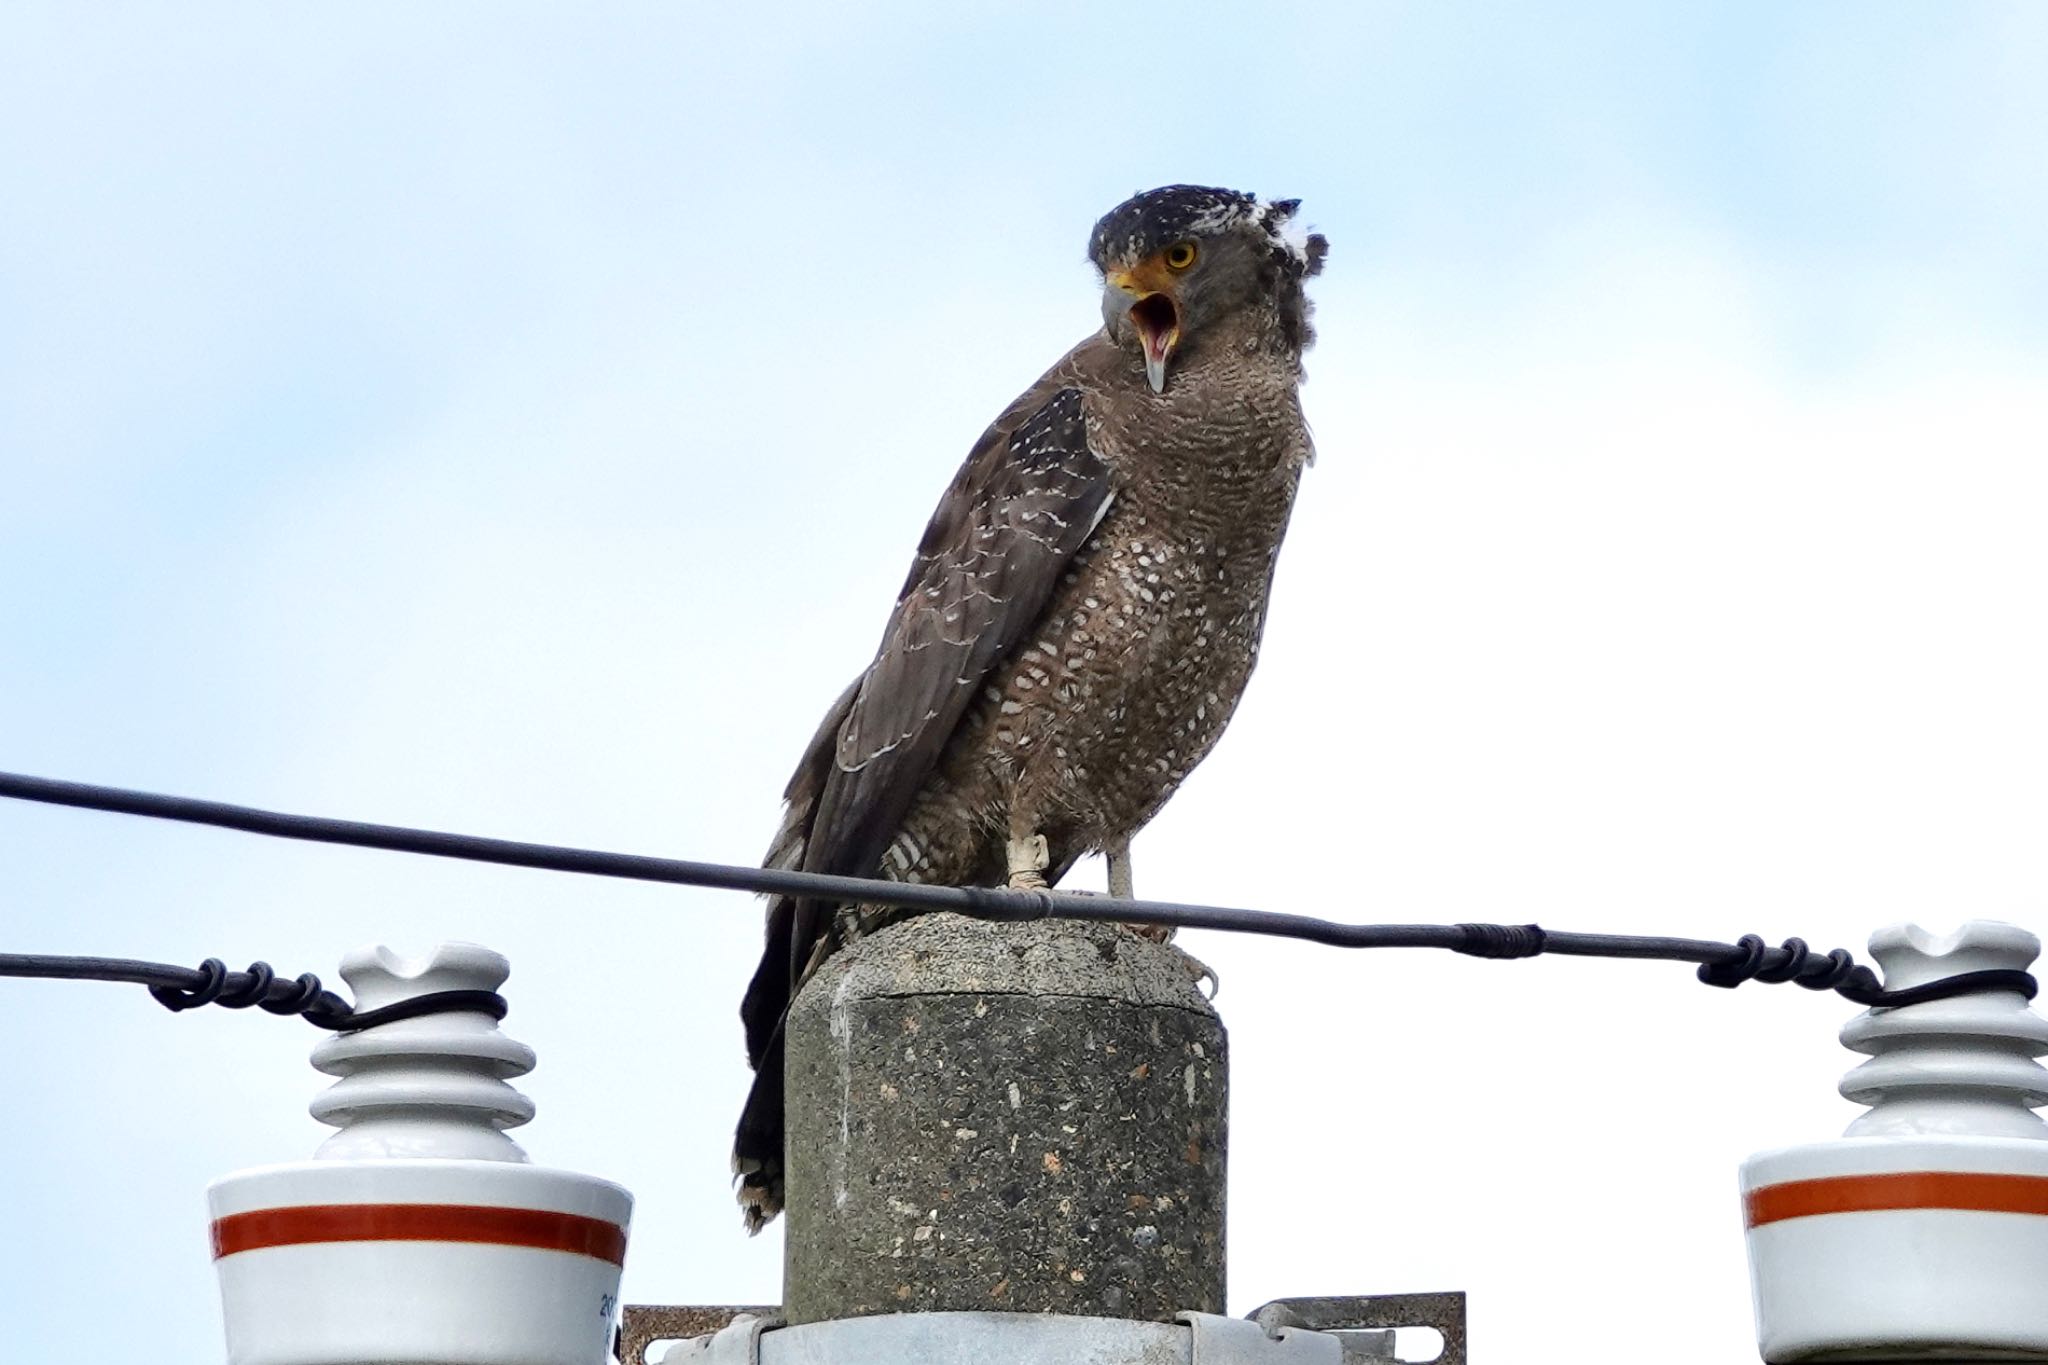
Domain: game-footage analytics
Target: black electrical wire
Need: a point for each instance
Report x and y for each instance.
(1720, 964)
(211, 983)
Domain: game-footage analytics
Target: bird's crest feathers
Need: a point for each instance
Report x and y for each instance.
(1154, 219)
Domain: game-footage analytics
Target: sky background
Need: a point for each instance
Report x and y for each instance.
(516, 419)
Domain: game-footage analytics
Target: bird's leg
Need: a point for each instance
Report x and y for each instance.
(1118, 852)
(1028, 858)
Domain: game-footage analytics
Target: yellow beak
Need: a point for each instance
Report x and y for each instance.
(1144, 294)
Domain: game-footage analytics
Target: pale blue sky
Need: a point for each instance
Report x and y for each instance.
(514, 418)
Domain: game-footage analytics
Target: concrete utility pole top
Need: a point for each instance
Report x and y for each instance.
(1012, 1117)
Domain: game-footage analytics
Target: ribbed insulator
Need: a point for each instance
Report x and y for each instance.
(428, 1087)
(1963, 1065)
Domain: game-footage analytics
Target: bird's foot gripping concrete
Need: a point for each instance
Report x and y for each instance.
(1028, 858)
(1201, 971)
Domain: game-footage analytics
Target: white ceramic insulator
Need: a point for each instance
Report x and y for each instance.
(1922, 1233)
(420, 1234)
(1950, 1067)
(428, 1087)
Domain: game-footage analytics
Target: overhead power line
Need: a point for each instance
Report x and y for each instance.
(1720, 964)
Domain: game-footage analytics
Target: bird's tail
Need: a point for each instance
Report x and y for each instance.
(757, 1142)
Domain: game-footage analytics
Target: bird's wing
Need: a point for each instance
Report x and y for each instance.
(1018, 510)
(1028, 498)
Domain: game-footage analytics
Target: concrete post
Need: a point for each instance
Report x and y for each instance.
(1010, 1117)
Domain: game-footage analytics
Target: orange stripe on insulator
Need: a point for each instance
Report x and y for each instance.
(1973, 1191)
(308, 1224)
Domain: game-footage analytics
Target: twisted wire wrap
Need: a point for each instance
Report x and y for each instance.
(208, 991)
(1502, 940)
(248, 992)
(304, 996)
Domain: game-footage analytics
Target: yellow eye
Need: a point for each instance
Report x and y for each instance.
(1180, 255)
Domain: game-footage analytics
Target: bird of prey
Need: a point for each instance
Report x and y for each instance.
(1083, 611)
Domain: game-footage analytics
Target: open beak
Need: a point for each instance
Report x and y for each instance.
(1154, 316)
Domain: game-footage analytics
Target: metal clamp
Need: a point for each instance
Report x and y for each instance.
(643, 1324)
(1344, 1314)
(1217, 1340)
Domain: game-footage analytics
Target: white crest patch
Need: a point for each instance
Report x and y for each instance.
(1290, 233)
(1226, 215)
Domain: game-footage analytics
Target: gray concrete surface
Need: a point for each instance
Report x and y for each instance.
(1009, 1117)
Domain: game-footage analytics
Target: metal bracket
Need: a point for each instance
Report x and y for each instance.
(1338, 1315)
(643, 1324)
(1318, 1331)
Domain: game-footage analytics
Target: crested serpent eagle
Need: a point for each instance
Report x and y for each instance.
(1083, 611)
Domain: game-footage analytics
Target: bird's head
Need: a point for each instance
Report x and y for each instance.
(1176, 260)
